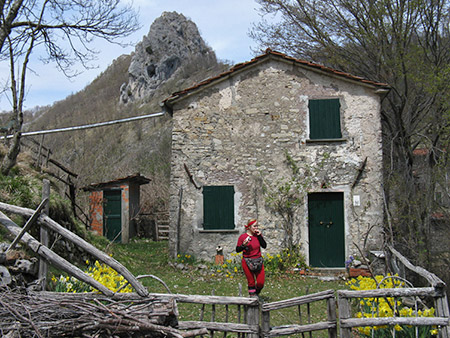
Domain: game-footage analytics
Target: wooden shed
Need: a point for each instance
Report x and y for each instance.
(114, 205)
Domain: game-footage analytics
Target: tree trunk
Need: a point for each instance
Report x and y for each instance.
(10, 158)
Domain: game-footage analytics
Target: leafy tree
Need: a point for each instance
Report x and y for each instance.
(60, 31)
(404, 43)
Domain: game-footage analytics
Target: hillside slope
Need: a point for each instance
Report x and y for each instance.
(111, 152)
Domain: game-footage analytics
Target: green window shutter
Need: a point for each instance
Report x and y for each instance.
(218, 207)
(324, 119)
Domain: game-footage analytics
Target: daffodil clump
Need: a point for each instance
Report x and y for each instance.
(387, 307)
(186, 259)
(100, 272)
(287, 259)
(69, 284)
(230, 268)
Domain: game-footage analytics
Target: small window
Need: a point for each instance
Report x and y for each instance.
(324, 119)
(218, 207)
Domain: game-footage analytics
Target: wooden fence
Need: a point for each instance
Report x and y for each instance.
(255, 320)
(330, 324)
(346, 322)
(251, 318)
(42, 157)
(246, 314)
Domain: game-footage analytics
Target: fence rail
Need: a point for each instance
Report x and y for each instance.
(347, 322)
(329, 325)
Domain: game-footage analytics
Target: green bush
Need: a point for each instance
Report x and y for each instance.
(286, 260)
(16, 190)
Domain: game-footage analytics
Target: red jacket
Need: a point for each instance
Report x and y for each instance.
(253, 248)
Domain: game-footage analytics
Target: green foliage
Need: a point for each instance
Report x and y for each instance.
(16, 190)
(287, 260)
(185, 259)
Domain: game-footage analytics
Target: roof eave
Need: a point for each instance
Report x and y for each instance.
(379, 88)
(180, 96)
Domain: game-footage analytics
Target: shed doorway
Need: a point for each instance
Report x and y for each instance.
(112, 221)
(326, 229)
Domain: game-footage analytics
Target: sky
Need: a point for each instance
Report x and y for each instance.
(223, 24)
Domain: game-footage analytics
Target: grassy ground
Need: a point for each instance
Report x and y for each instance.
(199, 278)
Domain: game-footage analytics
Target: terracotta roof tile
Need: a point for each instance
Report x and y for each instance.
(269, 53)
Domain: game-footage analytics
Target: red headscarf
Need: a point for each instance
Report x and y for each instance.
(251, 222)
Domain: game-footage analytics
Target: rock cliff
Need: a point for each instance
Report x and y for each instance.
(173, 41)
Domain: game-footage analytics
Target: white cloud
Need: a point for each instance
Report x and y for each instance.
(223, 24)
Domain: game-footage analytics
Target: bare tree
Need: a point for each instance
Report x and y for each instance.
(62, 31)
(403, 43)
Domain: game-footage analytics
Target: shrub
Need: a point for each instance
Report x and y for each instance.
(287, 259)
(16, 190)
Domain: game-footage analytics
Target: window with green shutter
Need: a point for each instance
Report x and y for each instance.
(218, 207)
(324, 119)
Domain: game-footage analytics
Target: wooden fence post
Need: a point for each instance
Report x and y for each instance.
(331, 313)
(253, 319)
(344, 313)
(441, 306)
(265, 323)
(43, 266)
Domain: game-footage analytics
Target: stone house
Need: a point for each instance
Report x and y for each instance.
(268, 129)
(114, 205)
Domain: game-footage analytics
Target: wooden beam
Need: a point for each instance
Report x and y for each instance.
(27, 225)
(74, 238)
(434, 280)
(53, 258)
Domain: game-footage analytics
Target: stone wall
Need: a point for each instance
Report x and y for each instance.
(236, 132)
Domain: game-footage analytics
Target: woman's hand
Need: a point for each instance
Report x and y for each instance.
(257, 232)
(248, 239)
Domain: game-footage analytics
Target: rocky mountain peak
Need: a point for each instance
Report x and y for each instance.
(172, 42)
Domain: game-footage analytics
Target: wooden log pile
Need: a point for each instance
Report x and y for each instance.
(50, 314)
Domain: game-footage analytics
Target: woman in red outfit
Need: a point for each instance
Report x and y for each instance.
(251, 243)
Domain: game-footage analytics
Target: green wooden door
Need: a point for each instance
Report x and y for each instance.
(112, 215)
(326, 229)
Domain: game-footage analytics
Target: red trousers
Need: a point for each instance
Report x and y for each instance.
(255, 280)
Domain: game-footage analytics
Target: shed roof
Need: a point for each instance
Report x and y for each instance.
(136, 178)
(270, 54)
